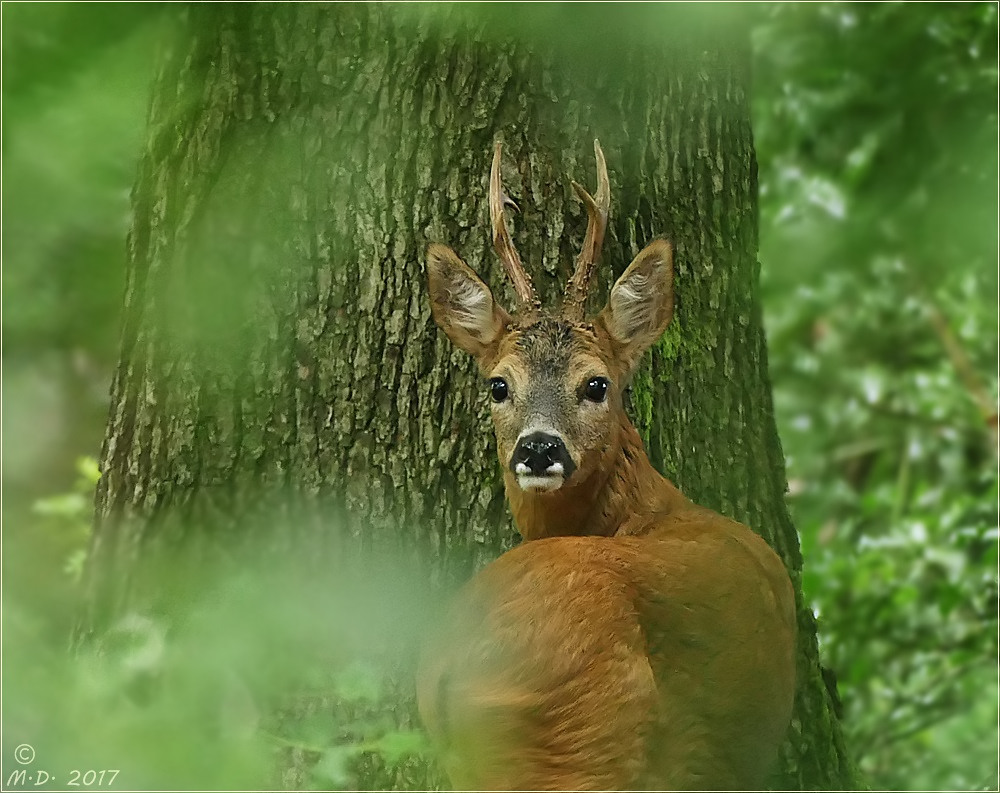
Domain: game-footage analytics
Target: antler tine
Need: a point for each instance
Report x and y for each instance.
(597, 224)
(502, 242)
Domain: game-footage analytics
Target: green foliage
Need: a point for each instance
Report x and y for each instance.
(76, 83)
(72, 135)
(216, 691)
(876, 130)
(67, 518)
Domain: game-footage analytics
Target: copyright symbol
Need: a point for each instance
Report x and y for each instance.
(24, 753)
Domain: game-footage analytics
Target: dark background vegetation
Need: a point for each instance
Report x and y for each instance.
(876, 133)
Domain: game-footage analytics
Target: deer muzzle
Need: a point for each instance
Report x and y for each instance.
(541, 462)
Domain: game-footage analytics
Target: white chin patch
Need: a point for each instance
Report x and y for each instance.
(540, 484)
(552, 480)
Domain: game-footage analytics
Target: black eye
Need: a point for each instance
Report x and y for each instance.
(498, 389)
(596, 389)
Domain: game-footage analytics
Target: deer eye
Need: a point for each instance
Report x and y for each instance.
(596, 389)
(498, 389)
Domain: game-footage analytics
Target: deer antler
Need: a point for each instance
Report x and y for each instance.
(597, 211)
(528, 301)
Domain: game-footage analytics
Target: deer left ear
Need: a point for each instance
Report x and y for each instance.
(462, 305)
(642, 301)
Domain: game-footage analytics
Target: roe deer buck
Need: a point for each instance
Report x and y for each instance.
(634, 639)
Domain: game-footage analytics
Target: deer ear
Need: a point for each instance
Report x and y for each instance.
(642, 301)
(462, 305)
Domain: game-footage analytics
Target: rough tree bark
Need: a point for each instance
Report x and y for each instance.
(277, 349)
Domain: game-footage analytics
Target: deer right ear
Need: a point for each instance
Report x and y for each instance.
(462, 305)
(642, 301)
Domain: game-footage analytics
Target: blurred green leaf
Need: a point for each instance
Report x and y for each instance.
(397, 745)
(334, 767)
(68, 505)
(88, 470)
(358, 682)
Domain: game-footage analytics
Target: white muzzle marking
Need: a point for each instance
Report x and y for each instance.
(552, 480)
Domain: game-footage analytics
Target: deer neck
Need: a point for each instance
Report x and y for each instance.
(623, 485)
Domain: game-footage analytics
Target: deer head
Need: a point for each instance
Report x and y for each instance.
(555, 379)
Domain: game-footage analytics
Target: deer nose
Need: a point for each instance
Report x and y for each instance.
(542, 455)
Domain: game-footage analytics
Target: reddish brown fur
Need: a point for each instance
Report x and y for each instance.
(638, 640)
(659, 655)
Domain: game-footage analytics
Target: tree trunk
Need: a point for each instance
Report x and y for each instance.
(278, 355)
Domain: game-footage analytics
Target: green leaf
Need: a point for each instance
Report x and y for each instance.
(334, 766)
(358, 682)
(87, 468)
(395, 746)
(70, 505)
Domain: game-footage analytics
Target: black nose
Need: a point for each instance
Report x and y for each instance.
(539, 452)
